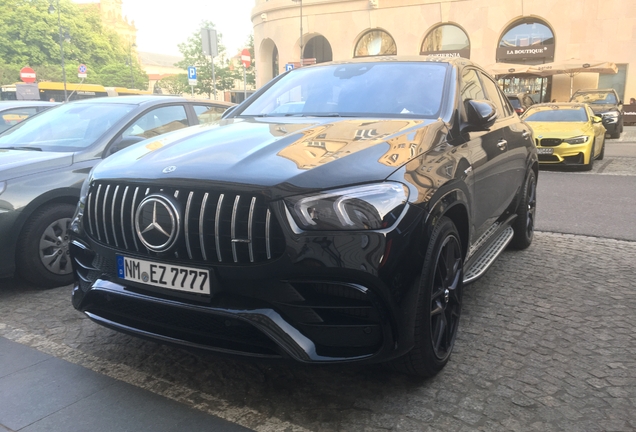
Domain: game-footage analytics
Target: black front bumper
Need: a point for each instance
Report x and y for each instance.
(325, 300)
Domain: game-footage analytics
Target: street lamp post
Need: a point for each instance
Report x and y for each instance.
(59, 25)
(132, 77)
(301, 30)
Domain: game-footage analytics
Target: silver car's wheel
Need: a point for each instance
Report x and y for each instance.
(42, 256)
(54, 247)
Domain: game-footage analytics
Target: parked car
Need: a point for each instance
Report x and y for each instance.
(340, 230)
(520, 102)
(567, 134)
(606, 104)
(13, 112)
(45, 159)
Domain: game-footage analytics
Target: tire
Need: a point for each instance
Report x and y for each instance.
(438, 305)
(602, 153)
(42, 255)
(616, 133)
(526, 211)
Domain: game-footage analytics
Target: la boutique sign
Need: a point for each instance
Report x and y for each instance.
(529, 52)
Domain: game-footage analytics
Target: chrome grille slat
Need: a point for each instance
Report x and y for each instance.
(186, 224)
(121, 217)
(112, 215)
(250, 223)
(88, 214)
(201, 236)
(217, 224)
(268, 248)
(233, 226)
(132, 219)
(99, 188)
(212, 227)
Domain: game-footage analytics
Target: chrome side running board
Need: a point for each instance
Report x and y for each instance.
(489, 255)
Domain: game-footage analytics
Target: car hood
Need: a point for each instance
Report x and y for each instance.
(19, 163)
(293, 154)
(559, 129)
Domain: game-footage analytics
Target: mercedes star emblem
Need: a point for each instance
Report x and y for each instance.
(157, 222)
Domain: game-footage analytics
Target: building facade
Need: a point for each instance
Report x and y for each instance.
(489, 32)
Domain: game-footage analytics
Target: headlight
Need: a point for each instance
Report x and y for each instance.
(367, 207)
(76, 223)
(577, 140)
(610, 114)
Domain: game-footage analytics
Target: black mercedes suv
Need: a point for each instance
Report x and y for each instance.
(335, 216)
(606, 104)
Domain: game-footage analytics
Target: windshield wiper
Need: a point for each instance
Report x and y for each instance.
(21, 148)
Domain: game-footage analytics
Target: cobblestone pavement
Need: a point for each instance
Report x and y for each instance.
(546, 342)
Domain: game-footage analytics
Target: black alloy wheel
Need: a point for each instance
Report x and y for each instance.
(590, 165)
(523, 226)
(601, 155)
(439, 304)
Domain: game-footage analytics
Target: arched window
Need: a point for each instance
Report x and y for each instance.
(527, 41)
(446, 40)
(318, 47)
(375, 43)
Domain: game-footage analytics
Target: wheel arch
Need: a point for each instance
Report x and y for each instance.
(453, 204)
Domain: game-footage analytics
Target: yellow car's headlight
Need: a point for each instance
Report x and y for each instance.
(577, 140)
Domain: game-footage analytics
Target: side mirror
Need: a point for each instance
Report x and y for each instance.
(481, 114)
(597, 119)
(122, 143)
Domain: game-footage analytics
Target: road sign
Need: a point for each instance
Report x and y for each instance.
(208, 42)
(289, 66)
(246, 58)
(27, 75)
(192, 73)
(81, 71)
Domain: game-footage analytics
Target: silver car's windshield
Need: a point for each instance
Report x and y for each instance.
(390, 89)
(69, 127)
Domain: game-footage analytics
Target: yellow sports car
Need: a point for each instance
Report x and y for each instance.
(566, 133)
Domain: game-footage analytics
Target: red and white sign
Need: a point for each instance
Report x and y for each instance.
(246, 58)
(27, 75)
(81, 71)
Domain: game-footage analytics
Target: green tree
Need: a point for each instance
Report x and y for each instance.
(175, 84)
(193, 56)
(29, 36)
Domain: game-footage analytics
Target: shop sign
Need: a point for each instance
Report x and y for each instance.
(527, 52)
(465, 53)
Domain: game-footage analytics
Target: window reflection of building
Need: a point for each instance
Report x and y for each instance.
(325, 143)
(446, 40)
(375, 43)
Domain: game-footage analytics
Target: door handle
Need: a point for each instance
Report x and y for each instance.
(501, 145)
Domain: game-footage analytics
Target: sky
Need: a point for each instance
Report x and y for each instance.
(162, 25)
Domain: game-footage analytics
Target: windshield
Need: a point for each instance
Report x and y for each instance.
(600, 98)
(391, 89)
(514, 102)
(69, 127)
(556, 115)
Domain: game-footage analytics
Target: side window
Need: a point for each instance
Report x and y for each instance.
(207, 113)
(471, 87)
(495, 96)
(12, 117)
(158, 121)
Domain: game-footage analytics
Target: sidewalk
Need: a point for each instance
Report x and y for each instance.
(41, 393)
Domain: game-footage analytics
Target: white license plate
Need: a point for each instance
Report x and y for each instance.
(188, 279)
(545, 151)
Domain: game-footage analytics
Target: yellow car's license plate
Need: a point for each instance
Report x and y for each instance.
(545, 151)
(180, 278)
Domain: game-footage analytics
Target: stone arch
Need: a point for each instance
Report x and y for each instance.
(374, 42)
(317, 46)
(268, 58)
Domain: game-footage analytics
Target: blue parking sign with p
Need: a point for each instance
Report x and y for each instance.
(192, 72)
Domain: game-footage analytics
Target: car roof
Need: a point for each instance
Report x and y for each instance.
(148, 100)
(24, 103)
(559, 105)
(595, 90)
(457, 61)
